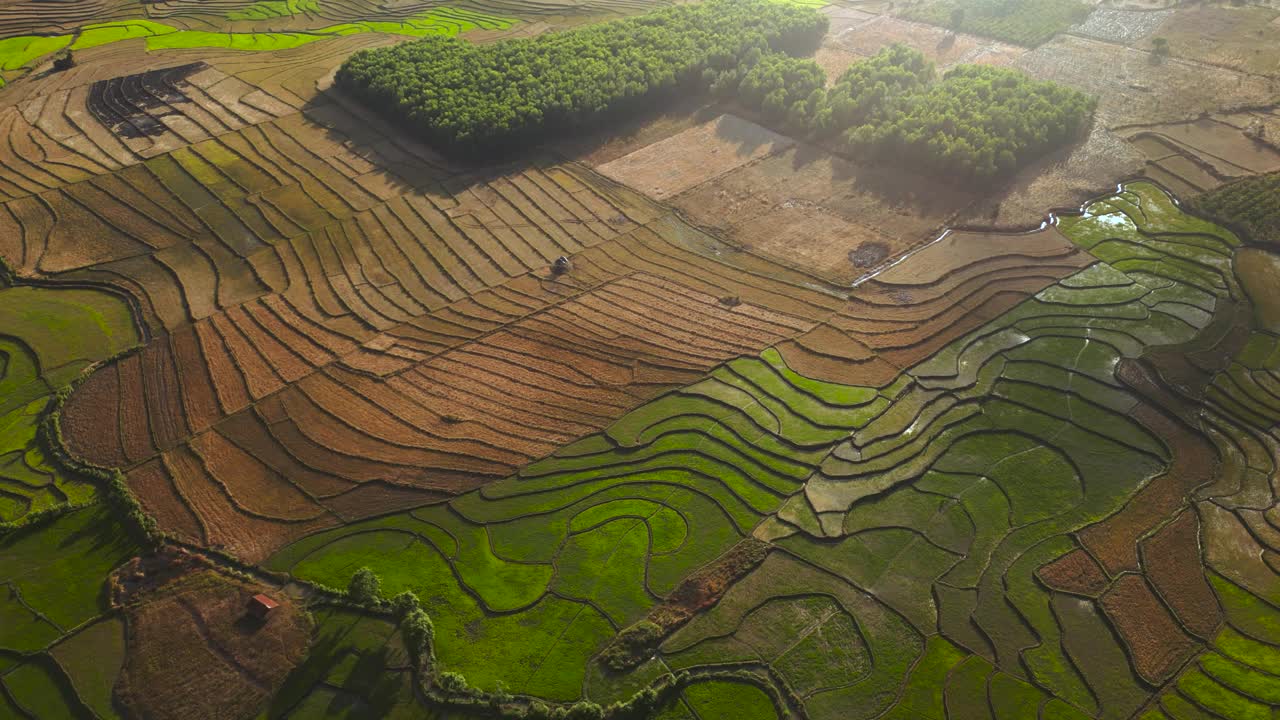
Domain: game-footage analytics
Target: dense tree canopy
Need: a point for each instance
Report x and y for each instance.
(490, 97)
(977, 122)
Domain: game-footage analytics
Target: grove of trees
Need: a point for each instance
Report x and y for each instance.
(488, 98)
(977, 122)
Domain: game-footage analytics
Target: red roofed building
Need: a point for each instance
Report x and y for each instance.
(260, 606)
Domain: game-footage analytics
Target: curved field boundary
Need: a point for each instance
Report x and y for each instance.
(611, 524)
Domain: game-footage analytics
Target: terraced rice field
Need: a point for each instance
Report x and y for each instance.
(770, 445)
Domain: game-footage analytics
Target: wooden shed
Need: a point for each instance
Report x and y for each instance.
(260, 606)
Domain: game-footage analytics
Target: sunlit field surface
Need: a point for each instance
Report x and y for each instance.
(734, 359)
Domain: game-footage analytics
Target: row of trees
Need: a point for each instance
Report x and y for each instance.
(977, 122)
(488, 98)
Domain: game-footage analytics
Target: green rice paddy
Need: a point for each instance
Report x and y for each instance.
(20, 52)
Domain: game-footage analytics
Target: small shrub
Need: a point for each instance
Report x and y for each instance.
(1159, 48)
(632, 646)
(585, 711)
(404, 603)
(418, 633)
(364, 588)
(63, 61)
(452, 682)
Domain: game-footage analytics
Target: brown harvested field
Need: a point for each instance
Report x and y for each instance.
(807, 208)
(225, 524)
(1239, 37)
(1114, 541)
(1171, 559)
(1157, 644)
(465, 395)
(1076, 573)
(1197, 155)
(192, 650)
(691, 157)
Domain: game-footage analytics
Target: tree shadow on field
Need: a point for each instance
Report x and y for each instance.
(747, 136)
(102, 532)
(895, 186)
(325, 653)
(248, 624)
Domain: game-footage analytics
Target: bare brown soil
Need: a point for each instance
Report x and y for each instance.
(194, 652)
(809, 209)
(1131, 88)
(1064, 179)
(1198, 155)
(1134, 91)
(691, 157)
(1242, 38)
(622, 138)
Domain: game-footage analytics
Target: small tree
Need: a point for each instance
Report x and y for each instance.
(63, 61)
(1159, 48)
(957, 18)
(418, 632)
(404, 603)
(584, 710)
(365, 588)
(452, 682)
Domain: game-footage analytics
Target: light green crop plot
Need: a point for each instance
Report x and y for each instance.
(55, 335)
(19, 52)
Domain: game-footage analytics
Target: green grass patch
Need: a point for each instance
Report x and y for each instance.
(541, 650)
(17, 52)
(1023, 22)
(97, 34)
(600, 565)
(722, 699)
(59, 568)
(355, 667)
(67, 328)
(92, 659)
(42, 691)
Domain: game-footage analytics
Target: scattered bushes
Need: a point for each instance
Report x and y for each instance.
(488, 98)
(978, 122)
(1252, 204)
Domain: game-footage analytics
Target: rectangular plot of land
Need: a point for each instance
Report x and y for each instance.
(690, 158)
